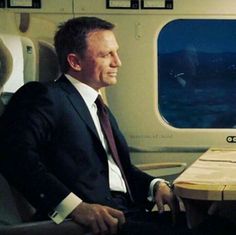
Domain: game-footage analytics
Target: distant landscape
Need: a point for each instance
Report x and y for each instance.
(197, 89)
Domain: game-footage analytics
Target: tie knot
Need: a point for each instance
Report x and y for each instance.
(99, 102)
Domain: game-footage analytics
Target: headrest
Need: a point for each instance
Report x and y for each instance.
(48, 64)
(6, 63)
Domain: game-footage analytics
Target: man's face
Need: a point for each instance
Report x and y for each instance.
(100, 64)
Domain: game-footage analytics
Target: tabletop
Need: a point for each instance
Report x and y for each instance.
(211, 177)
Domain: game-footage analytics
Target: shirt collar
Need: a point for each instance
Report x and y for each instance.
(88, 93)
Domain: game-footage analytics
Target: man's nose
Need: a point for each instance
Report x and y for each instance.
(116, 61)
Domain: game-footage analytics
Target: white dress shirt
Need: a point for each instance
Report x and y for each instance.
(89, 95)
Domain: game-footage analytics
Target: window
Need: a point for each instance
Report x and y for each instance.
(197, 73)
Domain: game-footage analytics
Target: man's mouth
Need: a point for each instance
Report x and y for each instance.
(113, 74)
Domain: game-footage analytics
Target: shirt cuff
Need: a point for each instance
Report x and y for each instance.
(150, 192)
(63, 209)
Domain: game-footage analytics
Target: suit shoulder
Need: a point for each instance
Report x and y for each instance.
(32, 94)
(33, 90)
(30, 88)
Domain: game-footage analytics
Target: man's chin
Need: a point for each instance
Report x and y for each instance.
(111, 82)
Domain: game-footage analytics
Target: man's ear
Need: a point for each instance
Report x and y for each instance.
(74, 61)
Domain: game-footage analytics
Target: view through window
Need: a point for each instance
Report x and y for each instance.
(197, 73)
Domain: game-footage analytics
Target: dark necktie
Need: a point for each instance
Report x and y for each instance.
(107, 131)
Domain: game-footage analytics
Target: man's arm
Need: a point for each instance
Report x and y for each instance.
(25, 128)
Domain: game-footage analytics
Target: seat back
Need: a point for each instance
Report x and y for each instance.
(14, 208)
(9, 213)
(6, 63)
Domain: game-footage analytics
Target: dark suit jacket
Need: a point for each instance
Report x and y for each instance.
(49, 147)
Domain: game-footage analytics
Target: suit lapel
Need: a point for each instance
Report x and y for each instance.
(77, 102)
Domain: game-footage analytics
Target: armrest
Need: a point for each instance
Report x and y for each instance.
(166, 170)
(154, 166)
(44, 227)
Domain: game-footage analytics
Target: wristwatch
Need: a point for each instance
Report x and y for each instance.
(157, 184)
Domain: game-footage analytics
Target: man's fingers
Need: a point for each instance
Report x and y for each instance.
(160, 202)
(102, 225)
(117, 214)
(94, 227)
(160, 205)
(112, 223)
(101, 219)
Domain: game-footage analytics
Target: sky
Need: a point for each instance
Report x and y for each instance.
(205, 35)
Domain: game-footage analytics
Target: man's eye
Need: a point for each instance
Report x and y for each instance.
(106, 55)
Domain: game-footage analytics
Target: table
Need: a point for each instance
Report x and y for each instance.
(210, 180)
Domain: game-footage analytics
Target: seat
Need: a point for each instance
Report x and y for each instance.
(15, 212)
(6, 67)
(6, 63)
(24, 59)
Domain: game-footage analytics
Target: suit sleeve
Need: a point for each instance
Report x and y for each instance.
(25, 129)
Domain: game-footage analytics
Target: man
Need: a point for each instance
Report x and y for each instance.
(55, 150)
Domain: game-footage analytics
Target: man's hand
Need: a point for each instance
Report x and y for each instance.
(164, 195)
(101, 219)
